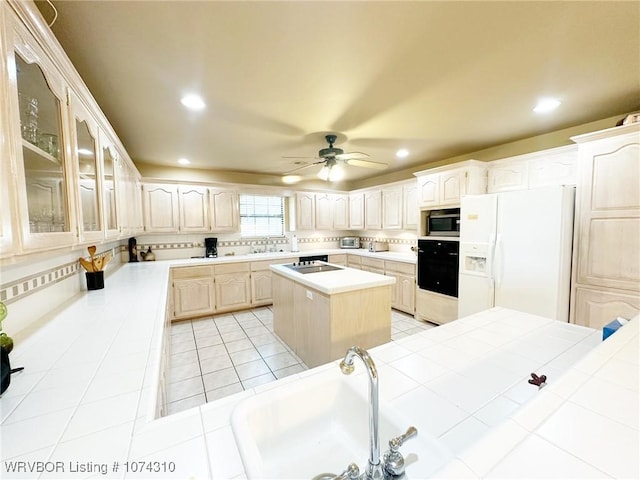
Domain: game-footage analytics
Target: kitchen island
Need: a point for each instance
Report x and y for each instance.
(321, 314)
(88, 394)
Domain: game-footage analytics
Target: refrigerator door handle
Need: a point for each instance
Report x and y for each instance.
(491, 257)
(498, 261)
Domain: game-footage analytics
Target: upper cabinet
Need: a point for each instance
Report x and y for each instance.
(172, 208)
(224, 210)
(392, 207)
(356, 211)
(44, 176)
(305, 210)
(340, 211)
(410, 209)
(373, 210)
(193, 203)
(87, 176)
(324, 211)
(60, 161)
(443, 186)
(557, 166)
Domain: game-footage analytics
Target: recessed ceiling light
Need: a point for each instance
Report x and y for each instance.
(545, 105)
(183, 161)
(291, 179)
(193, 102)
(402, 153)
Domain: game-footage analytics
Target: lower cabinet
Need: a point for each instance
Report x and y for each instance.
(435, 308)
(595, 307)
(193, 292)
(233, 286)
(403, 293)
(261, 281)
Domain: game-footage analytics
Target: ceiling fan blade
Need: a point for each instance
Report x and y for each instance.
(301, 167)
(351, 155)
(313, 158)
(366, 164)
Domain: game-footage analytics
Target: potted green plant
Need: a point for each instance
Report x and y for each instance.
(5, 340)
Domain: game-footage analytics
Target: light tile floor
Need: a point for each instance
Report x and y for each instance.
(217, 356)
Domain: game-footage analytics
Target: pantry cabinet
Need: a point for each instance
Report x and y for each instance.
(607, 230)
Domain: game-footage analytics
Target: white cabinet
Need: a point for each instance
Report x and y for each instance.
(356, 211)
(443, 186)
(392, 201)
(130, 197)
(193, 204)
(403, 293)
(224, 210)
(233, 286)
(324, 211)
(193, 292)
(373, 210)
(161, 208)
(87, 175)
(410, 211)
(557, 166)
(340, 211)
(110, 185)
(38, 142)
(305, 211)
(607, 230)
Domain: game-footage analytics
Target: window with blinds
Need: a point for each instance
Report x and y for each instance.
(261, 216)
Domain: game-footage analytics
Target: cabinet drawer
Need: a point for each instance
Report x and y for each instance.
(373, 262)
(240, 267)
(340, 259)
(354, 261)
(400, 267)
(192, 272)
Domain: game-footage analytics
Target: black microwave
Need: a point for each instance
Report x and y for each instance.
(444, 222)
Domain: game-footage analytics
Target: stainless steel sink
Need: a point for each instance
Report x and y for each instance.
(312, 267)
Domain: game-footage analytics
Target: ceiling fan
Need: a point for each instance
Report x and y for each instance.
(332, 157)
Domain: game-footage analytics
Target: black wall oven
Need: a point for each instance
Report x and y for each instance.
(438, 266)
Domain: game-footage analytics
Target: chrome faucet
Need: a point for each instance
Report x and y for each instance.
(374, 470)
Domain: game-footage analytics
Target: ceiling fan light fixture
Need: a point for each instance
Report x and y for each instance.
(323, 174)
(336, 173)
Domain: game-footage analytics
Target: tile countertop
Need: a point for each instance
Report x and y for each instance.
(336, 281)
(405, 257)
(83, 406)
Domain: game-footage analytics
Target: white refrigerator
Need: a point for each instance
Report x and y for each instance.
(515, 251)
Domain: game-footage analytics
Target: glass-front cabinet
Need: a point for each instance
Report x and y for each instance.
(84, 154)
(41, 162)
(110, 185)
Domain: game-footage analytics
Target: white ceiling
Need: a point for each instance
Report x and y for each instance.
(438, 78)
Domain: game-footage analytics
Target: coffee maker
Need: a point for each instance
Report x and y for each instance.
(211, 247)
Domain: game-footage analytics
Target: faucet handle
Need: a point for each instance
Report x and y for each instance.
(393, 459)
(351, 473)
